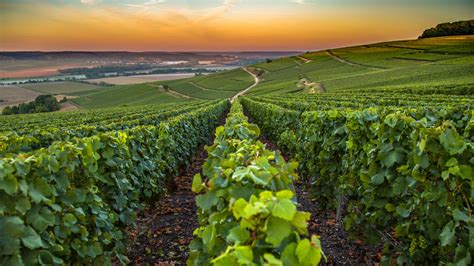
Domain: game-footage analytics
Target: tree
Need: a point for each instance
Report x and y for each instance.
(7, 111)
(268, 60)
(448, 29)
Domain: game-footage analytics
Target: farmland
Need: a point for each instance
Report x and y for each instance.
(141, 78)
(357, 155)
(60, 87)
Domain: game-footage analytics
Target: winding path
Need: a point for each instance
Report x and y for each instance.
(248, 88)
(342, 60)
(305, 60)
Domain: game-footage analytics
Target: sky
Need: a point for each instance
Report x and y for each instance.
(217, 25)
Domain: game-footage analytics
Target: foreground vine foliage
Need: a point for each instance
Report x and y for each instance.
(70, 202)
(247, 207)
(406, 172)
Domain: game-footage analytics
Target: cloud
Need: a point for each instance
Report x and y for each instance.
(147, 4)
(298, 1)
(90, 2)
(220, 10)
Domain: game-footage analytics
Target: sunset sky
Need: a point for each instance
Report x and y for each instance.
(217, 25)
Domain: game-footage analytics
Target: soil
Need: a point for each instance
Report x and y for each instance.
(165, 229)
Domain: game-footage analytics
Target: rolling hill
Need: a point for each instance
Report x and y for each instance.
(441, 62)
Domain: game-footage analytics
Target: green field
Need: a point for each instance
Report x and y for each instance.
(62, 87)
(425, 62)
(215, 86)
(124, 95)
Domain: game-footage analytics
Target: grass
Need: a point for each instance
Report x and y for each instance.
(234, 80)
(124, 95)
(428, 62)
(442, 61)
(215, 86)
(62, 87)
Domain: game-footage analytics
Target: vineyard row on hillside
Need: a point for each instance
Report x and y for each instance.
(70, 201)
(404, 174)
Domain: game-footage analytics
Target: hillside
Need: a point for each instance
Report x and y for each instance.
(376, 165)
(441, 62)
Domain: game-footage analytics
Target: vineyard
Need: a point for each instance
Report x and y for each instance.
(400, 164)
(360, 155)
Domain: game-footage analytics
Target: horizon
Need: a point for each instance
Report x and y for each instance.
(216, 26)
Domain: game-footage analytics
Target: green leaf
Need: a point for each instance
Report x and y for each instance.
(391, 158)
(277, 230)
(288, 256)
(11, 230)
(14, 260)
(238, 235)
(460, 216)
(244, 255)
(389, 207)
(45, 257)
(403, 212)
(209, 237)
(447, 235)
(40, 190)
(9, 184)
(303, 250)
(197, 185)
(40, 218)
(284, 209)
(300, 222)
(452, 142)
(206, 201)
(377, 179)
(253, 209)
(69, 220)
(284, 194)
(271, 260)
(22, 205)
(465, 172)
(238, 208)
(31, 239)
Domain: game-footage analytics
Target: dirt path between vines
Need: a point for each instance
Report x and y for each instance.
(337, 246)
(165, 228)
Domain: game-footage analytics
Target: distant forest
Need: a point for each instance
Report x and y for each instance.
(450, 28)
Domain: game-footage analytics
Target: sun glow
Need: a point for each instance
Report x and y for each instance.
(209, 25)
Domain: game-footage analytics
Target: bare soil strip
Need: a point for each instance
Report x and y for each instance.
(342, 60)
(305, 60)
(165, 228)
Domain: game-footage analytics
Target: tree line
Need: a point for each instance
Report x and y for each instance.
(42, 103)
(450, 28)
